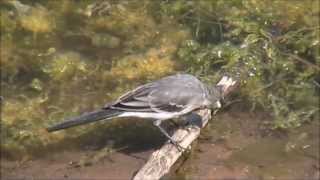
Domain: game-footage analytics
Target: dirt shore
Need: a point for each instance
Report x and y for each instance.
(233, 146)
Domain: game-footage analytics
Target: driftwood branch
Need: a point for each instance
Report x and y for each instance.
(162, 160)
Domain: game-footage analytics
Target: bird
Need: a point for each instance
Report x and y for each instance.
(174, 96)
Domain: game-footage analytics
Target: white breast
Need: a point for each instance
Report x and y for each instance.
(158, 115)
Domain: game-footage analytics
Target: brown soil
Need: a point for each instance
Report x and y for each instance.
(65, 165)
(233, 147)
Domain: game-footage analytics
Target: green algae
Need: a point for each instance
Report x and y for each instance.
(59, 59)
(272, 47)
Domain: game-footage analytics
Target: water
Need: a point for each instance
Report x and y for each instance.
(63, 58)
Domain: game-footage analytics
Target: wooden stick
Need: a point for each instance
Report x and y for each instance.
(162, 160)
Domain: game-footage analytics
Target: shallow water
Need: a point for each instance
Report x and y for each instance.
(244, 150)
(238, 152)
(62, 58)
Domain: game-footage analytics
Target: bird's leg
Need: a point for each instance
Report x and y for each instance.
(174, 123)
(186, 120)
(192, 119)
(175, 143)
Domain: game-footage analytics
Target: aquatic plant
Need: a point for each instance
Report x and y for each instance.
(269, 46)
(64, 66)
(37, 21)
(59, 59)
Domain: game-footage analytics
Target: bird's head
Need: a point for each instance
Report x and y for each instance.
(221, 90)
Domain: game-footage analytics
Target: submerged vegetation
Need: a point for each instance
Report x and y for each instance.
(272, 47)
(59, 59)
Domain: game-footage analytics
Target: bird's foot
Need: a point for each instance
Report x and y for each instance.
(177, 145)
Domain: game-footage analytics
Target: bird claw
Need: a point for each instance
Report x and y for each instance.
(178, 146)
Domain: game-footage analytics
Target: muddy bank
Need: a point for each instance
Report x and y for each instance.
(237, 146)
(67, 165)
(234, 146)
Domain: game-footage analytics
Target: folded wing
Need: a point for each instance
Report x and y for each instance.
(171, 94)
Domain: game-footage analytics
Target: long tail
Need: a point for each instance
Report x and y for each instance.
(85, 118)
